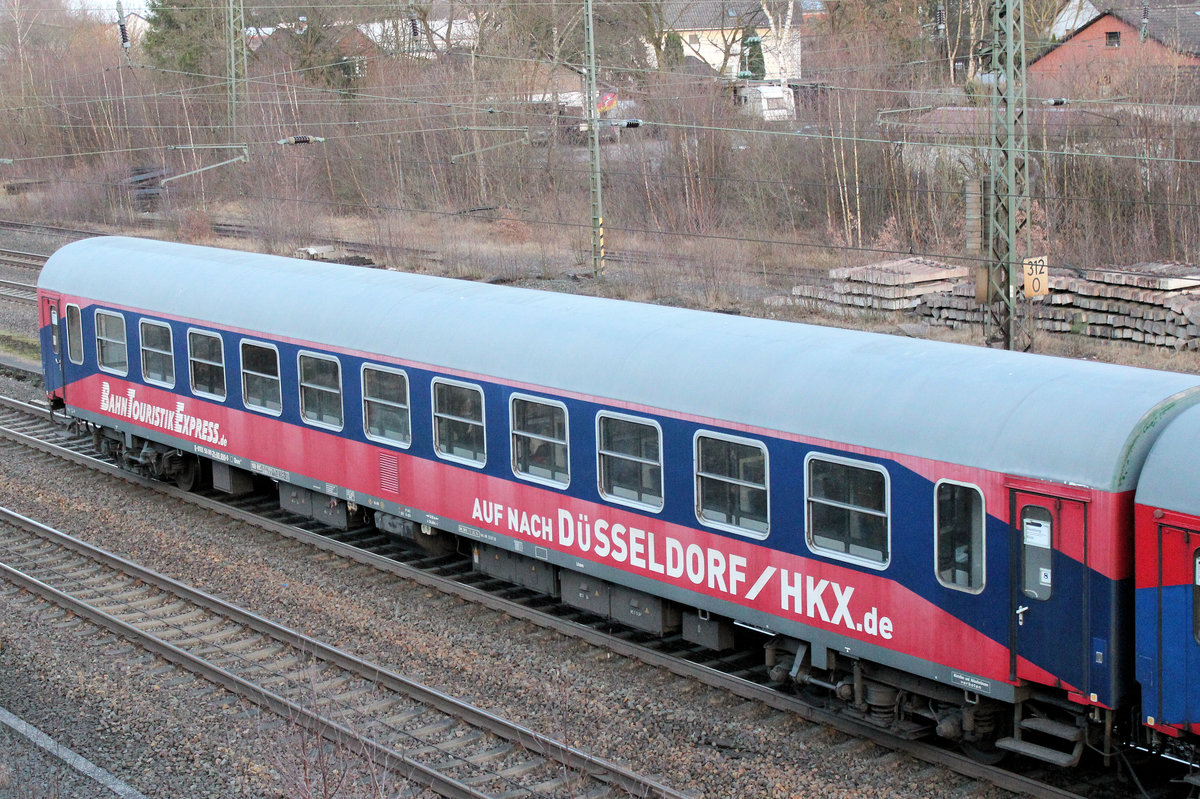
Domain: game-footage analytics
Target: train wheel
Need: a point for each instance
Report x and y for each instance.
(984, 752)
(188, 475)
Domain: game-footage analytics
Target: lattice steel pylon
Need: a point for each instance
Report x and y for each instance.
(1008, 201)
(235, 32)
(592, 118)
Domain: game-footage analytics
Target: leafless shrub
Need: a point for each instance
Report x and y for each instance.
(414, 146)
(194, 225)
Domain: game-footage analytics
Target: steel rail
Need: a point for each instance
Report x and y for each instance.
(959, 763)
(37, 227)
(576, 761)
(328, 729)
(17, 290)
(31, 260)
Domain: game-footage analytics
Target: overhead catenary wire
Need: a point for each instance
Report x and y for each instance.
(333, 98)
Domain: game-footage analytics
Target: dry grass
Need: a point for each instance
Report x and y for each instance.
(726, 275)
(20, 347)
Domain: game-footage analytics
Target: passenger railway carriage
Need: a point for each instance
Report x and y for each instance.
(940, 538)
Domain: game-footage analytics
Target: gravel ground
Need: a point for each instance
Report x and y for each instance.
(18, 318)
(43, 243)
(170, 735)
(22, 388)
(28, 770)
(160, 730)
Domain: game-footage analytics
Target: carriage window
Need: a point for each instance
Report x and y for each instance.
(385, 406)
(731, 484)
(458, 432)
(321, 391)
(958, 548)
(630, 461)
(206, 357)
(1037, 535)
(74, 334)
(110, 343)
(158, 361)
(261, 386)
(847, 504)
(539, 441)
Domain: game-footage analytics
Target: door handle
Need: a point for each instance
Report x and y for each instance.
(1021, 615)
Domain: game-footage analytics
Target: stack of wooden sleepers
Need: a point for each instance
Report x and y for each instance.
(897, 285)
(1151, 303)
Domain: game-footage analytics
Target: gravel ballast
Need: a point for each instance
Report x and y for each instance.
(172, 733)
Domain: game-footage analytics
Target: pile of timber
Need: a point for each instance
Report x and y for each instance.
(897, 285)
(1150, 303)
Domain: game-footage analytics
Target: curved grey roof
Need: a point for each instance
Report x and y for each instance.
(1051, 418)
(1168, 480)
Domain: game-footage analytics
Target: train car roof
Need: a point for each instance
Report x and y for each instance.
(1167, 480)
(1051, 418)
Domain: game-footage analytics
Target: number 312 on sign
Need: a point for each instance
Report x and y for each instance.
(1037, 278)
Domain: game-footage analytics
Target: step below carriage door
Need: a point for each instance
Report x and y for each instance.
(1178, 615)
(1048, 546)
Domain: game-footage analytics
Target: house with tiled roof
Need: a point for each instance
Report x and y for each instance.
(1133, 51)
(712, 31)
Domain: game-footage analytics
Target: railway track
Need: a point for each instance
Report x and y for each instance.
(18, 291)
(738, 675)
(401, 254)
(19, 258)
(38, 227)
(423, 735)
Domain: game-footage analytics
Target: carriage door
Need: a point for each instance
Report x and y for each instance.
(1048, 548)
(1178, 615)
(52, 343)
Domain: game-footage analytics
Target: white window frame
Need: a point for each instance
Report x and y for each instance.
(937, 538)
(362, 378)
(766, 486)
(512, 432)
(142, 349)
(243, 371)
(341, 390)
(435, 415)
(75, 355)
(834, 554)
(125, 327)
(1045, 554)
(56, 327)
(600, 453)
(224, 364)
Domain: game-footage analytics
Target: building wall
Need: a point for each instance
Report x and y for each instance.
(1107, 59)
(710, 46)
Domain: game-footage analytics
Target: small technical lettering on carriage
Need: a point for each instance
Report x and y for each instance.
(173, 420)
